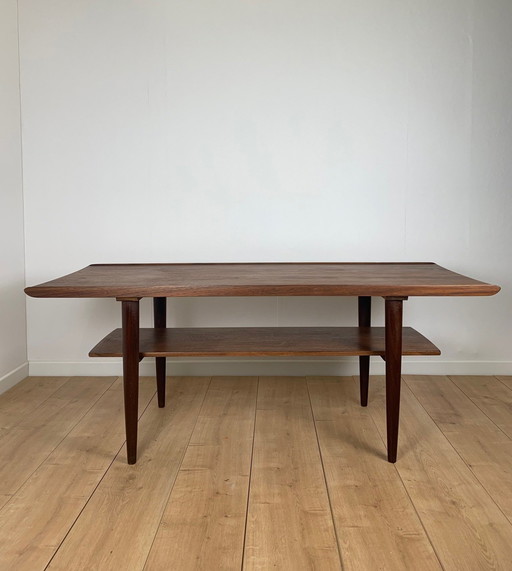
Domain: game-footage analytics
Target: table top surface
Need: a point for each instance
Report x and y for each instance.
(262, 279)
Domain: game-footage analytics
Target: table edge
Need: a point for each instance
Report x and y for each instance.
(479, 289)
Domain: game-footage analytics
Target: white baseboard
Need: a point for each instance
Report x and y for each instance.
(269, 366)
(14, 377)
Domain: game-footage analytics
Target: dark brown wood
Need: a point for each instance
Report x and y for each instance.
(394, 281)
(365, 313)
(263, 341)
(394, 341)
(175, 280)
(130, 352)
(160, 321)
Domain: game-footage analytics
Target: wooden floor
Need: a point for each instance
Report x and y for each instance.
(269, 473)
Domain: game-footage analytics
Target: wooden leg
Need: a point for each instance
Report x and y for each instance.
(160, 319)
(365, 311)
(131, 374)
(394, 310)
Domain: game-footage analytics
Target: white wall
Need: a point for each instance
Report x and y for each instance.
(13, 345)
(283, 131)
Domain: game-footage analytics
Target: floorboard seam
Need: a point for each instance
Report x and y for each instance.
(95, 488)
(461, 457)
(478, 407)
(503, 383)
(41, 403)
(58, 443)
(325, 477)
(250, 472)
(407, 491)
(185, 448)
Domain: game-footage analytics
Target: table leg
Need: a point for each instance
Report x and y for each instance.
(393, 322)
(365, 311)
(131, 374)
(160, 320)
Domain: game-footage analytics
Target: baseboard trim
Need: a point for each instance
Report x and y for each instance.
(14, 377)
(265, 367)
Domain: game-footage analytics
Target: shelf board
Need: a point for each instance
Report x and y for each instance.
(263, 341)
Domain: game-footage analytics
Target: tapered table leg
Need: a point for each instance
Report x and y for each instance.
(131, 374)
(393, 322)
(365, 311)
(160, 320)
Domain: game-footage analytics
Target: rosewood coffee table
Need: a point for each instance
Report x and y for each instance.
(395, 282)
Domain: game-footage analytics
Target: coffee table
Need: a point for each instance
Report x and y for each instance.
(395, 282)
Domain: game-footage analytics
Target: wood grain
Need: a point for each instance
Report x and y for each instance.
(117, 527)
(491, 396)
(376, 523)
(38, 434)
(506, 380)
(447, 475)
(466, 527)
(22, 399)
(204, 522)
(175, 280)
(485, 448)
(289, 523)
(36, 520)
(263, 341)
(4, 498)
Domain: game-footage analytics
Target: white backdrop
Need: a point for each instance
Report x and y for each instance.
(253, 131)
(13, 340)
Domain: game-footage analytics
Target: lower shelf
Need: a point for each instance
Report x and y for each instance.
(263, 341)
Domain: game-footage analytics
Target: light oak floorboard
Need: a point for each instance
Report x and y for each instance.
(204, 522)
(21, 400)
(35, 522)
(36, 435)
(289, 522)
(117, 527)
(376, 523)
(466, 528)
(506, 380)
(5, 497)
(80, 506)
(485, 448)
(491, 396)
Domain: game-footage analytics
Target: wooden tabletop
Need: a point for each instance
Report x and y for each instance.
(262, 279)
